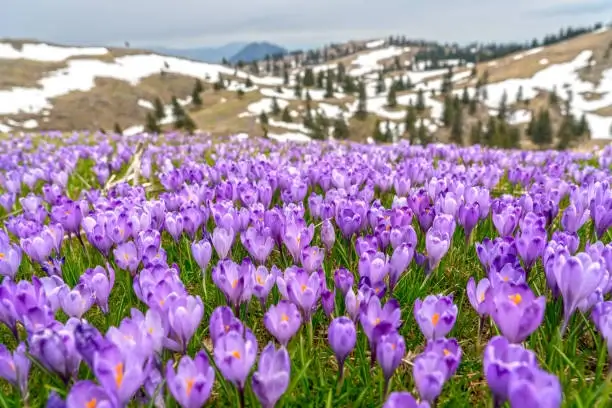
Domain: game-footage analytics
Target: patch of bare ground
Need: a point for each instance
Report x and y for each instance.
(525, 67)
(602, 59)
(607, 111)
(592, 96)
(221, 118)
(114, 101)
(25, 73)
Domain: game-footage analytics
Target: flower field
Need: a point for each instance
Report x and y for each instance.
(186, 271)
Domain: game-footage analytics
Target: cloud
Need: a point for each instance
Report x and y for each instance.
(187, 23)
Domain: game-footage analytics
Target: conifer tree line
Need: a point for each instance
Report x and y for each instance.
(433, 55)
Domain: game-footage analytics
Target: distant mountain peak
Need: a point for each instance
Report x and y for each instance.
(257, 51)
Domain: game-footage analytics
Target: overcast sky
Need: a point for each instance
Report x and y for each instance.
(293, 23)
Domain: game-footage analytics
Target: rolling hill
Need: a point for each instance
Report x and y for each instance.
(50, 87)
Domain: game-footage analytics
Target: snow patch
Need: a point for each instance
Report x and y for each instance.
(375, 44)
(265, 105)
(48, 53)
(544, 61)
(290, 137)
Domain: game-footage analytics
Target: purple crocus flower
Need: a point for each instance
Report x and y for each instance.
(304, 290)
(436, 315)
(468, 218)
(235, 281)
(430, 373)
(202, 252)
(515, 310)
(222, 321)
(283, 321)
(15, 368)
(400, 260)
(69, 215)
(192, 383)
(343, 280)
(297, 236)
(312, 258)
(88, 394)
(532, 387)
(437, 244)
(184, 317)
(76, 302)
(390, 351)
(10, 257)
(258, 242)
(342, 337)
(373, 315)
(449, 350)
(477, 294)
(574, 218)
(126, 257)
(174, 224)
(101, 281)
(501, 358)
(235, 355)
(373, 265)
(328, 234)
(403, 400)
(121, 375)
(271, 379)
(263, 282)
(38, 247)
(56, 351)
(222, 240)
(577, 278)
(506, 220)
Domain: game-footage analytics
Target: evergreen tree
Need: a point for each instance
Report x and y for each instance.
(196, 100)
(320, 79)
(378, 135)
(410, 122)
(309, 79)
(422, 133)
(151, 124)
(248, 83)
(392, 96)
(341, 72)
(519, 94)
(240, 93)
(582, 128)
(456, 135)
(297, 89)
(553, 98)
(476, 133)
(285, 77)
(329, 86)
(565, 134)
(159, 110)
(514, 137)
(276, 110)
(448, 112)
(198, 87)
(542, 132)
(117, 129)
(472, 106)
(465, 97)
(408, 84)
(220, 84)
(188, 124)
(341, 130)
(349, 85)
(388, 134)
(179, 114)
(362, 111)
(286, 116)
(263, 121)
(502, 111)
(420, 103)
(380, 84)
